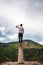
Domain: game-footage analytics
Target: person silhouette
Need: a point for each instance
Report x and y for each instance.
(21, 31)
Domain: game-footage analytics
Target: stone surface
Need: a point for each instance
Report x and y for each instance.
(20, 54)
(25, 63)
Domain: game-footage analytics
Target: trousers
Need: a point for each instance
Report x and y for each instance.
(20, 35)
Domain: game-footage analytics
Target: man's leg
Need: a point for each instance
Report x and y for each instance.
(21, 37)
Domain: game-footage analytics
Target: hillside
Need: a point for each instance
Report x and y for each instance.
(32, 51)
(32, 44)
(25, 44)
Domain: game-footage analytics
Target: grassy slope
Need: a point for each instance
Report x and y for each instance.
(32, 51)
(26, 44)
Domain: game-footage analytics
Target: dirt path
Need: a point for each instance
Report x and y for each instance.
(25, 63)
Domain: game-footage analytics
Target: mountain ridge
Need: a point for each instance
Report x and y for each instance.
(26, 44)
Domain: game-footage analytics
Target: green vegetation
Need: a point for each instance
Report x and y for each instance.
(33, 54)
(32, 51)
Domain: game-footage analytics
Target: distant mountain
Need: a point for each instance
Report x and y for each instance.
(26, 44)
(32, 44)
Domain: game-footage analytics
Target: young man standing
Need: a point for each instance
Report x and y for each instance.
(21, 31)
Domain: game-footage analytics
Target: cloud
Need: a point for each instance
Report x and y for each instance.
(38, 3)
(2, 38)
(41, 42)
(11, 13)
(14, 36)
(2, 28)
(21, 11)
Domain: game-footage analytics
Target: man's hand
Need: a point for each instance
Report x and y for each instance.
(17, 26)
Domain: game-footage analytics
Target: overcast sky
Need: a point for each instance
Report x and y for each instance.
(27, 12)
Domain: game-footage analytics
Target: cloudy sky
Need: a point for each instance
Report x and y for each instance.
(27, 12)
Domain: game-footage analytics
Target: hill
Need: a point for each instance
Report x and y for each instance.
(25, 44)
(33, 51)
(32, 44)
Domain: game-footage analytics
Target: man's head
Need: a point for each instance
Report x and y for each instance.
(21, 24)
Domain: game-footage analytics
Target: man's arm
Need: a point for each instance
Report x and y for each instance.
(23, 30)
(17, 26)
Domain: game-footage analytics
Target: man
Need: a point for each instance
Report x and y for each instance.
(21, 31)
